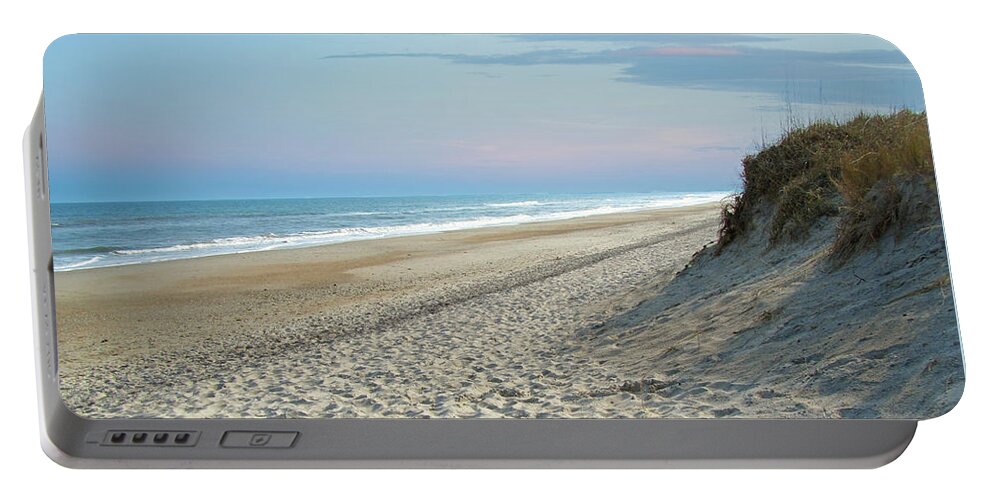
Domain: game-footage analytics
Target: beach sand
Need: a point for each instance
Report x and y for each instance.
(483, 322)
(623, 315)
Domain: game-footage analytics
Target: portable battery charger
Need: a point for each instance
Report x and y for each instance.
(538, 250)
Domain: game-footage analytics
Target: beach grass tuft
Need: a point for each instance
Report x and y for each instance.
(853, 169)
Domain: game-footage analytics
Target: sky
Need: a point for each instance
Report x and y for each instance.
(179, 117)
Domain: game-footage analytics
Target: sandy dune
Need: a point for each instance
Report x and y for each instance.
(786, 331)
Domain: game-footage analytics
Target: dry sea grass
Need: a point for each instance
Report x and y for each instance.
(852, 169)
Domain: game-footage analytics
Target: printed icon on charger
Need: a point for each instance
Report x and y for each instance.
(260, 439)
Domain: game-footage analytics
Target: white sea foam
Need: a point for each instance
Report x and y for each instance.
(91, 262)
(529, 203)
(355, 213)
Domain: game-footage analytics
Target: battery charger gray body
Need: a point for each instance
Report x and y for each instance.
(78, 442)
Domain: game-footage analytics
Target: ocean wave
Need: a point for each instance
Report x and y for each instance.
(490, 206)
(309, 238)
(87, 250)
(82, 264)
(529, 203)
(233, 242)
(447, 209)
(352, 214)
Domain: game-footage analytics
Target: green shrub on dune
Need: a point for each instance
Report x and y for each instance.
(857, 170)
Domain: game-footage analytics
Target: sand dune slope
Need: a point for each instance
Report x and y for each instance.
(788, 331)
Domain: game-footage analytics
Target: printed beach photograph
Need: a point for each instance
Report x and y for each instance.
(496, 226)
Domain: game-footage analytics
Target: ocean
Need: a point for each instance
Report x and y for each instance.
(87, 235)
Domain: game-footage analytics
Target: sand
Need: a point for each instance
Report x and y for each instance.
(788, 331)
(468, 323)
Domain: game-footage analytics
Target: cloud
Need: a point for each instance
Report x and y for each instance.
(698, 39)
(866, 78)
(881, 78)
(692, 51)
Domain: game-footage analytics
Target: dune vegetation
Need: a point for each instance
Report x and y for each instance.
(854, 170)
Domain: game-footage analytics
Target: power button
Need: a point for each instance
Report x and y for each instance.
(260, 439)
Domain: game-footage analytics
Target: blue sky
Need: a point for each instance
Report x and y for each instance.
(153, 117)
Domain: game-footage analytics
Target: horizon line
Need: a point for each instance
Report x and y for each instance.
(277, 198)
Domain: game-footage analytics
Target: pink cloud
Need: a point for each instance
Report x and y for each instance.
(692, 51)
